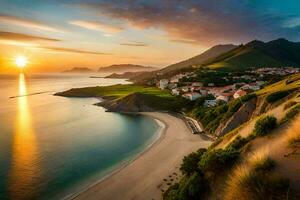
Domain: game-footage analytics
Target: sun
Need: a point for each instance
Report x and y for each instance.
(21, 61)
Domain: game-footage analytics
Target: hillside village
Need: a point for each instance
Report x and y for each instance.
(188, 86)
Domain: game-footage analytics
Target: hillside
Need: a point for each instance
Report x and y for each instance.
(197, 60)
(122, 68)
(78, 70)
(257, 160)
(276, 53)
(186, 64)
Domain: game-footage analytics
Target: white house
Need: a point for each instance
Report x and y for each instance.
(175, 91)
(185, 89)
(239, 94)
(223, 98)
(163, 84)
(211, 85)
(191, 96)
(210, 103)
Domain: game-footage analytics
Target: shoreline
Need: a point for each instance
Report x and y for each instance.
(147, 176)
(161, 132)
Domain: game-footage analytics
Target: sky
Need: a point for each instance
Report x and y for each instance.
(59, 34)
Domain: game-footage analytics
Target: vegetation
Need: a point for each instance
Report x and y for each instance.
(115, 91)
(264, 125)
(190, 162)
(271, 98)
(290, 114)
(212, 117)
(257, 181)
(289, 104)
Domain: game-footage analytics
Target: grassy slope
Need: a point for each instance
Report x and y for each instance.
(276, 53)
(115, 91)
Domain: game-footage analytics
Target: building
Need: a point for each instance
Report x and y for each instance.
(192, 96)
(163, 84)
(239, 93)
(175, 91)
(210, 103)
(185, 89)
(223, 98)
(211, 85)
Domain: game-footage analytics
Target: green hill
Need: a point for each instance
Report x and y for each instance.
(276, 53)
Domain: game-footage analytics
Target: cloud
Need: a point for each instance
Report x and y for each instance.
(97, 26)
(70, 50)
(185, 41)
(205, 22)
(134, 44)
(24, 37)
(28, 23)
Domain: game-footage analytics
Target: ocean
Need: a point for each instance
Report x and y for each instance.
(51, 146)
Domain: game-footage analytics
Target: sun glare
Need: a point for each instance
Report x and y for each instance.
(21, 61)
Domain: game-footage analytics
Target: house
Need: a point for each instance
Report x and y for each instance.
(254, 87)
(260, 83)
(211, 85)
(163, 84)
(210, 103)
(191, 96)
(223, 98)
(185, 89)
(239, 93)
(175, 91)
(203, 92)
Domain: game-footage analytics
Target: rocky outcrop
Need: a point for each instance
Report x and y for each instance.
(135, 102)
(240, 117)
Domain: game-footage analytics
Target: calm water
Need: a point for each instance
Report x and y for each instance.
(53, 146)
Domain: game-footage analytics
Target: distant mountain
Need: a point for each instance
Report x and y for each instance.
(121, 68)
(126, 75)
(276, 53)
(199, 59)
(186, 64)
(78, 70)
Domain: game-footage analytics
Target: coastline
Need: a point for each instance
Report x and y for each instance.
(142, 176)
(159, 134)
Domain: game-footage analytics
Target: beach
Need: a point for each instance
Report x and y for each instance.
(151, 173)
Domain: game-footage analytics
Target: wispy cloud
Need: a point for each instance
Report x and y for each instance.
(134, 44)
(24, 37)
(70, 50)
(185, 41)
(97, 26)
(28, 23)
(205, 22)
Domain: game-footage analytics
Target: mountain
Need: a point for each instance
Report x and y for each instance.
(78, 70)
(186, 64)
(121, 68)
(276, 53)
(197, 60)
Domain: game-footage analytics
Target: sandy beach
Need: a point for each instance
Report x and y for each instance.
(152, 172)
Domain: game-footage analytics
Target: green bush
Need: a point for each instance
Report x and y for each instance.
(190, 163)
(238, 142)
(294, 111)
(192, 187)
(271, 98)
(264, 125)
(217, 160)
(264, 165)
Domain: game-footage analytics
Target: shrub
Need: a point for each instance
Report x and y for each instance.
(293, 112)
(190, 162)
(257, 181)
(289, 104)
(271, 98)
(192, 187)
(264, 125)
(238, 142)
(217, 160)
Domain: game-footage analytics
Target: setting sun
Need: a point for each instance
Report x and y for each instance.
(21, 61)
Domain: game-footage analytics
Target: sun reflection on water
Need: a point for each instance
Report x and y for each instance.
(24, 166)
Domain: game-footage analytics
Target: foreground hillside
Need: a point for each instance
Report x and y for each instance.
(259, 159)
